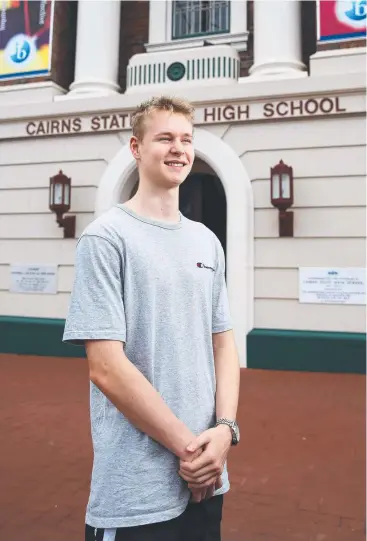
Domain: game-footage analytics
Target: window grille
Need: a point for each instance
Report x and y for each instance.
(199, 18)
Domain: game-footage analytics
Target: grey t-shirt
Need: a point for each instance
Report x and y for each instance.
(160, 289)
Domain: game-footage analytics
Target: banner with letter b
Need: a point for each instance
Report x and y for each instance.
(25, 38)
(340, 20)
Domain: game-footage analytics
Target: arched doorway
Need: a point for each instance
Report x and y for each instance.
(222, 161)
(202, 199)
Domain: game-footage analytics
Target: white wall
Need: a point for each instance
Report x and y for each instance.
(329, 164)
(29, 233)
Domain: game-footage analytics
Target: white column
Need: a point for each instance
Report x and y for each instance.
(160, 12)
(277, 39)
(97, 47)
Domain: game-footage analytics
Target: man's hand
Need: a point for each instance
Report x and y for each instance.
(199, 494)
(203, 471)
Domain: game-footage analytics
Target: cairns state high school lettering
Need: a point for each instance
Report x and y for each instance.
(244, 112)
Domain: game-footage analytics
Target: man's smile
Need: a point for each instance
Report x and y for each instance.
(175, 163)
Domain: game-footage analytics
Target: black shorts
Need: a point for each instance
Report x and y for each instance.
(199, 522)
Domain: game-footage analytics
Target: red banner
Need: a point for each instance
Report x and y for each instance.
(341, 20)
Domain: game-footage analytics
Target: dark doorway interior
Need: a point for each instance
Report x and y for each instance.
(202, 199)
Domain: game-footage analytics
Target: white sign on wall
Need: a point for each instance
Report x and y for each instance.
(332, 286)
(33, 279)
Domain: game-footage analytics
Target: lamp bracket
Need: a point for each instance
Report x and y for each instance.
(286, 223)
(68, 223)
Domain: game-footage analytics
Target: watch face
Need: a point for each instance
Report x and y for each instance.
(236, 432)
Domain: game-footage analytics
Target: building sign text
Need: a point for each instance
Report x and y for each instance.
(280, 109)
(332, 286)
(227, 112)
(33, 279)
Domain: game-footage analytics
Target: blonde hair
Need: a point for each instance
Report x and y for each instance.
(162, 103)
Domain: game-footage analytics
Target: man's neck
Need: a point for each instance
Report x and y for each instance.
(160, 205)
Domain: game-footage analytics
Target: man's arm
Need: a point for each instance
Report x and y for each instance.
(127, 388)
(227, 371)
(217, 441)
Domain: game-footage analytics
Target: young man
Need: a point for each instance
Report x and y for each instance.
(149, 302)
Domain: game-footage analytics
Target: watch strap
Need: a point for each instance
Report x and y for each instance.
(232, 425)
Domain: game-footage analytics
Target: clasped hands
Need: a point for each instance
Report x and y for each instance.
(207, 455)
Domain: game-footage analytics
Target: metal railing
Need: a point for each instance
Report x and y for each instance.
(198, 18)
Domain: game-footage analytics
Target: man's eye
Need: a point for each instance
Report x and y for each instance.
(164, 139)
(187, 141)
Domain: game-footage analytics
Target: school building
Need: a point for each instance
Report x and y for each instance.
(279, 175)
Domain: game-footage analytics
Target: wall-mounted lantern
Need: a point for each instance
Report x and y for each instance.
(281, 177)
(60, 197)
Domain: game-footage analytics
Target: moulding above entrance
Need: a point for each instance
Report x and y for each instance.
(225, 112)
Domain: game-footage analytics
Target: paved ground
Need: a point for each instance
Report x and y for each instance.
(297, 476)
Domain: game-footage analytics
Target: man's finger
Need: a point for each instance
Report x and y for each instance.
(218, 483)
(205, 485)
(200, 441)
(195, 455)
(207, 481)
(210, 492)
(198, 494)
(200, 480)
(194, 476)
(199, 463)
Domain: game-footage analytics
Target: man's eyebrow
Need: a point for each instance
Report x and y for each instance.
(170, 133)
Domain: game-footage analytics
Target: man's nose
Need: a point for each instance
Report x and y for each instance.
(177, 147)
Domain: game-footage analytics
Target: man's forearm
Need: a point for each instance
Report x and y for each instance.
(132, 394)
(227, 371)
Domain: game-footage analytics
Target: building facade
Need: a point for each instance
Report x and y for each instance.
(273, 82)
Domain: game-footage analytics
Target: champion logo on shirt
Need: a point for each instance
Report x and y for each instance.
(203, 266)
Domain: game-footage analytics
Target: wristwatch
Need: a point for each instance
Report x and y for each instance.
(234, 429)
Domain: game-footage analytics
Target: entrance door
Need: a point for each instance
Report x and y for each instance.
(202, 199)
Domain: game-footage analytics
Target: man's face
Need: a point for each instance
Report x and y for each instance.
(165, 154)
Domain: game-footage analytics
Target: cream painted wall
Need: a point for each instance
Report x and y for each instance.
(328, 157)
(28, 230)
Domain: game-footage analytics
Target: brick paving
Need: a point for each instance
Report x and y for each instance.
(299, 474)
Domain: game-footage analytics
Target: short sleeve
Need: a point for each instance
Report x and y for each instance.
(221, 314)
(96, 309)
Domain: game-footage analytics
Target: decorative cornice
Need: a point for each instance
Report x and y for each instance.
(248, 90)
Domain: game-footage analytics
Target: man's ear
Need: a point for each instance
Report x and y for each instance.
(134, 147)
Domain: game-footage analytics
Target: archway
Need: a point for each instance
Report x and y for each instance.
(120, 177)
(203, 199)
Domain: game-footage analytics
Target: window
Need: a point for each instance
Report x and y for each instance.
(175, 24)
(198, 18)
